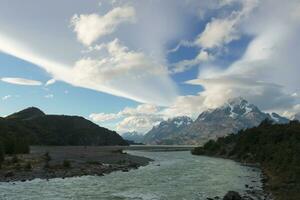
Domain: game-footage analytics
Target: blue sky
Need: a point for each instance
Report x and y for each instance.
(127, 65)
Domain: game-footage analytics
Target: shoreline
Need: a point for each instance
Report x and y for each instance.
(267, 194)
(45, 162)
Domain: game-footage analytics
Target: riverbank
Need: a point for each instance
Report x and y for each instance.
(46, 162)
(274, 146)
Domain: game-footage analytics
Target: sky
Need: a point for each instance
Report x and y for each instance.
(129, 64)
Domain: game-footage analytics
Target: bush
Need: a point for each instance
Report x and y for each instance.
(47, 157)
(14, 159)
(66, 164)
(28, 166)
(1, 152)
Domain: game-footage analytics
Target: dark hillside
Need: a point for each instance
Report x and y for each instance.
(33, 127)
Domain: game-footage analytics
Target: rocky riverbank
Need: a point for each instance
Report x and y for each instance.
(61, 162)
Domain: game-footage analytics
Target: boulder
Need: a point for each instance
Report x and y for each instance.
(231, 195)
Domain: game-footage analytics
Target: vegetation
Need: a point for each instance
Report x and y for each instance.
(32, 126)
(276, 147)
(14, 137)
(1, 153)
(66, 164)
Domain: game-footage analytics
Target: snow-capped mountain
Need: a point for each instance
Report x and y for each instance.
(234, 115)
(133, 136)
(297, 117)
(278, 119)
(161, 133)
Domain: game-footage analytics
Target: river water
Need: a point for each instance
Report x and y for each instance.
(172, 176)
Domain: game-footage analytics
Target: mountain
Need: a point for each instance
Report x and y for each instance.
(27, 114)
(235, 115)
(297, 117)
(133, 136)
(278, 119)
(164, 132)
(42, 129)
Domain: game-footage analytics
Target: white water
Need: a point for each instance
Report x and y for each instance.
(173, 175)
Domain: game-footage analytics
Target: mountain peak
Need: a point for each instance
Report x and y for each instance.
(237, 101)
(27, 114)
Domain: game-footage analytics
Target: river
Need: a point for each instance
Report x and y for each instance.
(172, 176)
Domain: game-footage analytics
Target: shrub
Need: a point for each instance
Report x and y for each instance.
(28, 166)
(1, 152)
(15, 159)
(47, 157)
(66, 164)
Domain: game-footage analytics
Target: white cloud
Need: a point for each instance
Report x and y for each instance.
(107, 74)
(102, 117)
(6, 97)
(141, 124)
(217, 33)
(91, 27)
(221, 31)
(21, 81)
(141, 118)
(50, 82)
(49, 96)
(124, 66)
(185, 65)
(265, 74)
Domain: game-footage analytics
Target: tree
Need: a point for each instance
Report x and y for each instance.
(1, 152)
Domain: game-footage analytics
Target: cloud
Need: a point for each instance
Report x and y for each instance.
(107, 74)
(49, 96)
(102, 117)
(6, 97)
(120, 66)
(91, 27)
(265, 74)
(21, 81)
(185, 65)
(221, 31)
(50, 82)
(141, 118)
(140, 124)
(216, 34)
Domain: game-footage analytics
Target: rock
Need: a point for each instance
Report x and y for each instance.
(231, 195)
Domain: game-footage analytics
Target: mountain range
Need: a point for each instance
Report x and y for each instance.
(236, 114)
(42, 129)
(134, 137)
(164, 132)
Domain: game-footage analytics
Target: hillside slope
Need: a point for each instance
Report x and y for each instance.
(42, 129)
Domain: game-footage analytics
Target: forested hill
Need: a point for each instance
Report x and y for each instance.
(275, 146)
(34, 127)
